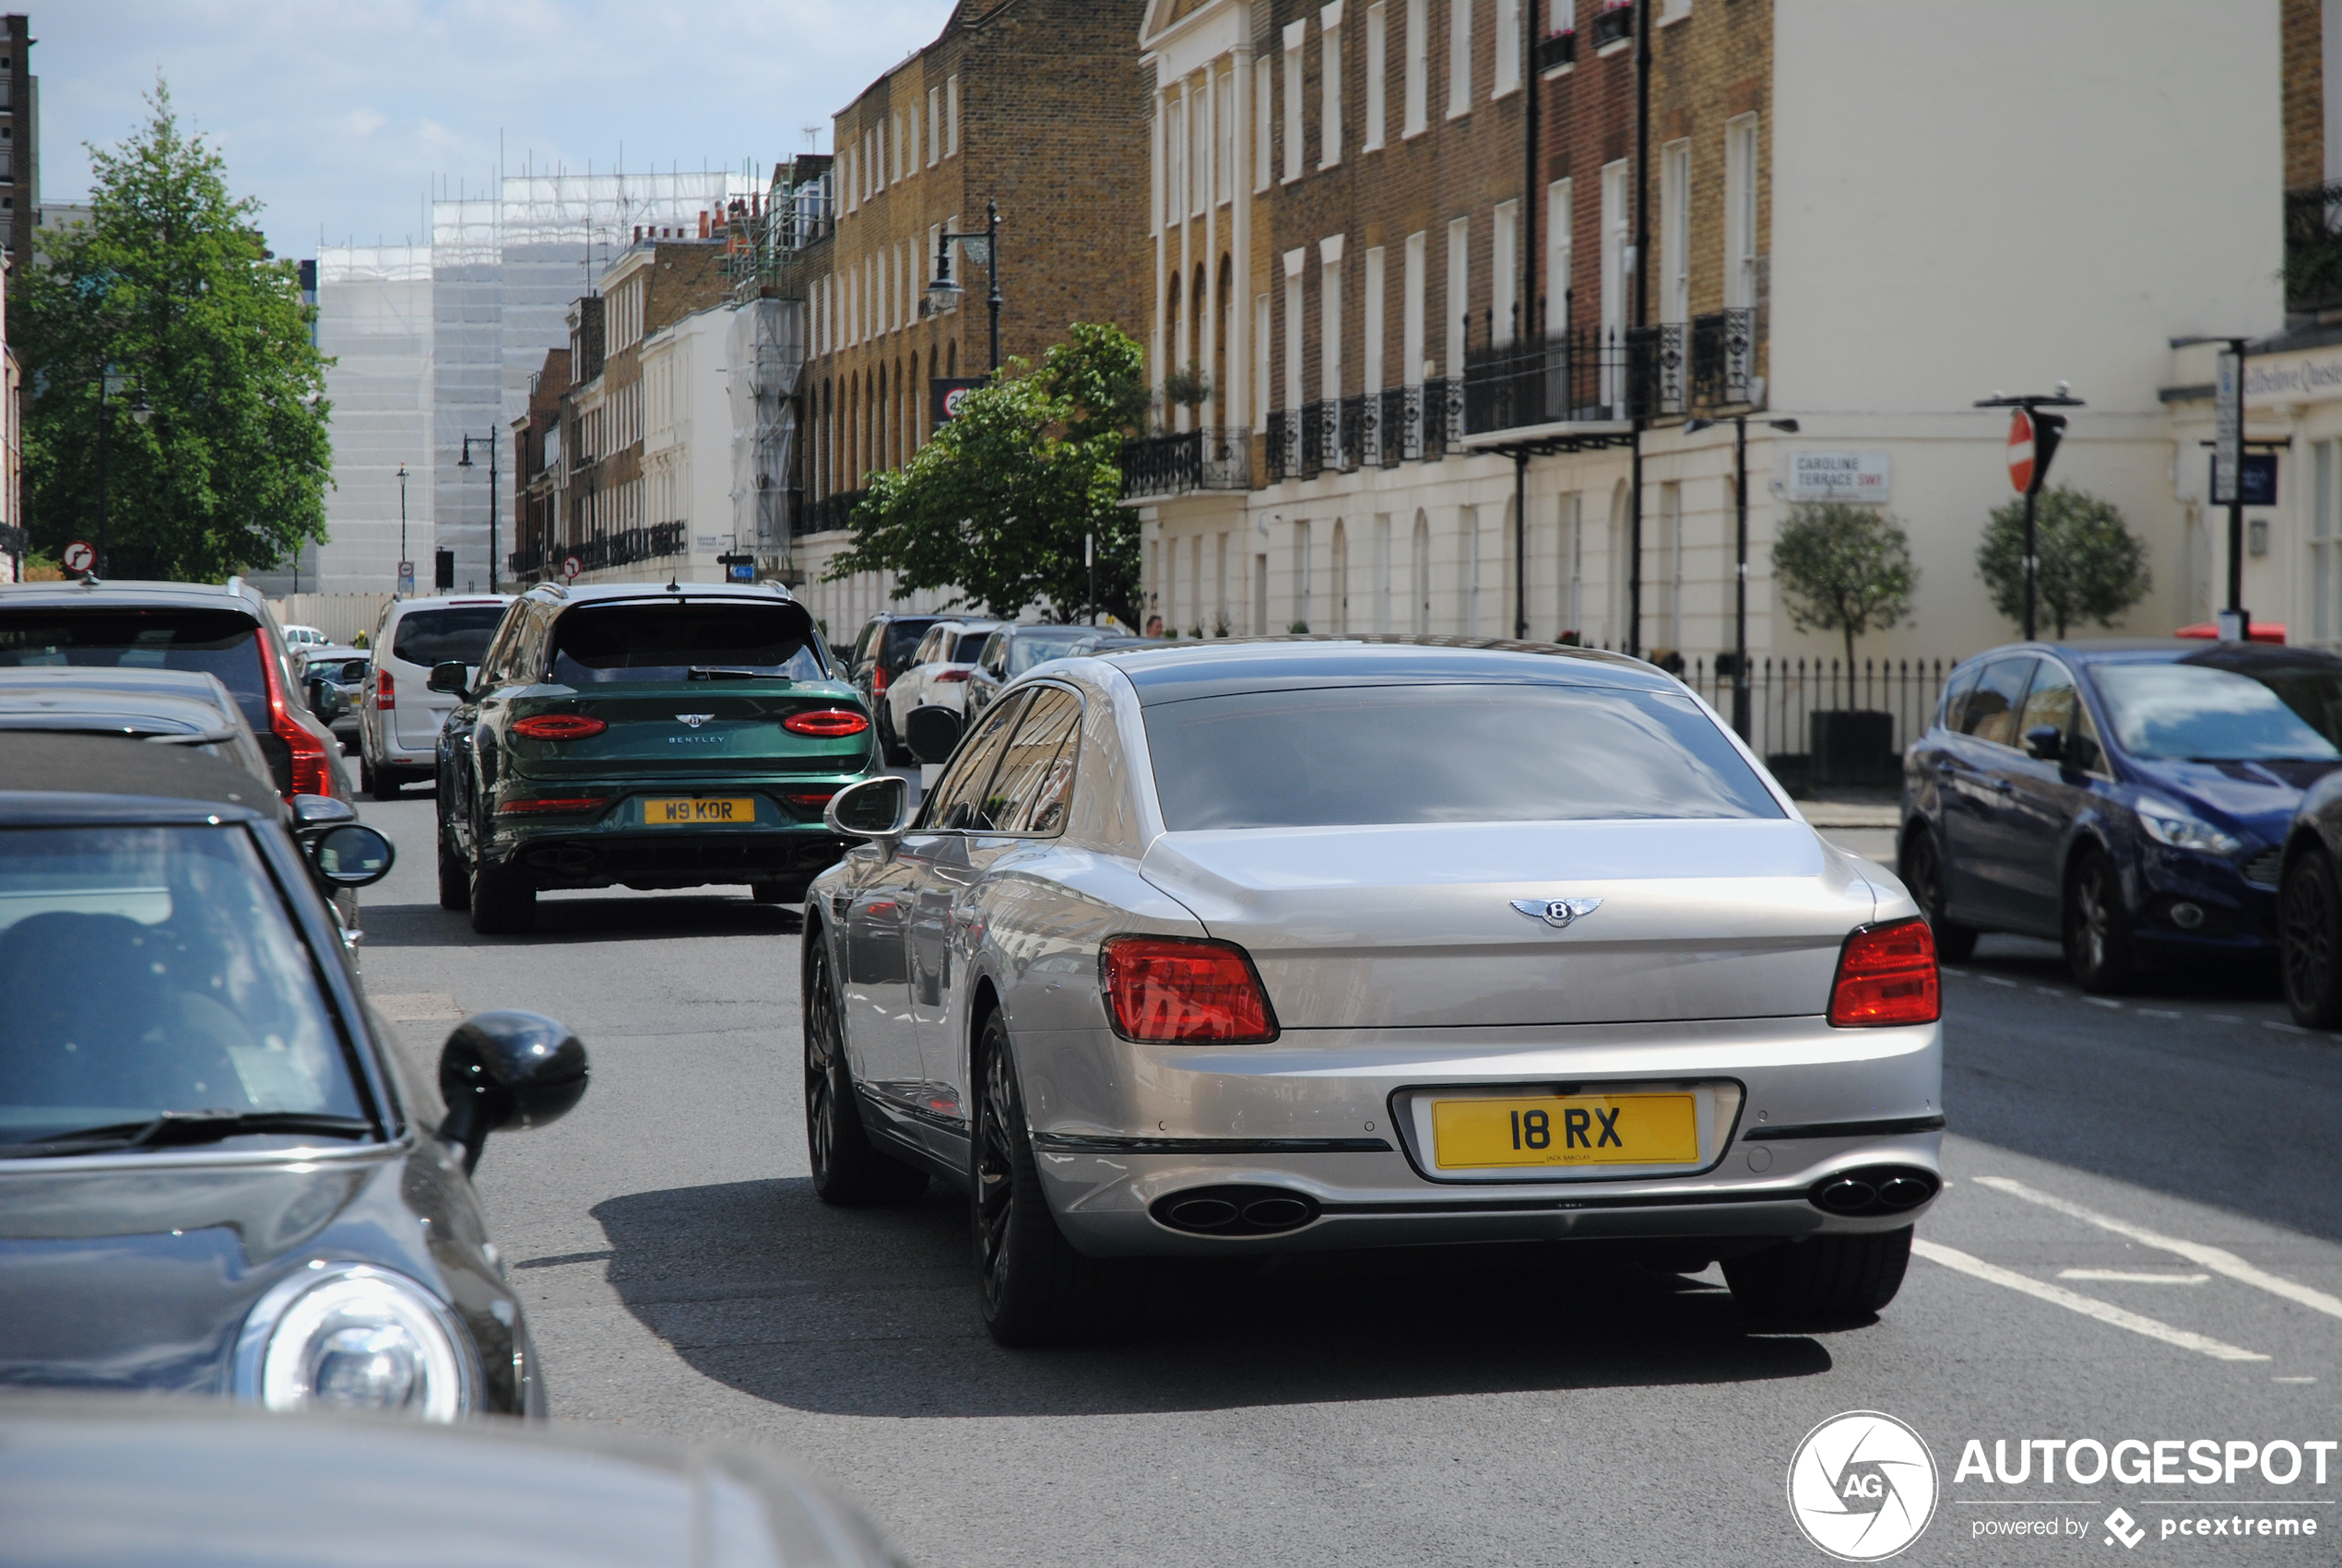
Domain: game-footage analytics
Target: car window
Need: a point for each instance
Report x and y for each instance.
(151, 969)
(1956, 693)
(1040, 647)
(1028, 790)
(863, 642)
(902, 638)
(958, 798)
(429, 637)
(1355, 755)
(925, 653)
(2053, 704)
(967, 646)
(685, 639)
(2206, 713)
(222, 643)
(1991, 711)
(534, 653)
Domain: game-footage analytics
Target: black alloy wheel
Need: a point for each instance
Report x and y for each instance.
(2098, 929)
(1033, 1287)
(891, 750)
(846, 1169)
(2308, 920)
(454, 876)
(1922, 871)
(1821, 1280)
(381, 782)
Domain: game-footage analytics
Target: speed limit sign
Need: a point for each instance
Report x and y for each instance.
(79, 556)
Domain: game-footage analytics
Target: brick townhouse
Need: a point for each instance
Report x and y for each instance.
(1036, 105)
(538, 471)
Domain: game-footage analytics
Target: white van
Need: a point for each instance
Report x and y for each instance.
(398, 719)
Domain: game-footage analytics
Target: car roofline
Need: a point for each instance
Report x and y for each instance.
(54, 808)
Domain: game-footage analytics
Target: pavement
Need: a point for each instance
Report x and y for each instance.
(2141, 1239)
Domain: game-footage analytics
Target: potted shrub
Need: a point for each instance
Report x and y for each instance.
(1847, 569)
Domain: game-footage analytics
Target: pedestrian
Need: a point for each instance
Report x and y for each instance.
(1155, 626)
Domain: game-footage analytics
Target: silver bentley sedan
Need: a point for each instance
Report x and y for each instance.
(1253, 947)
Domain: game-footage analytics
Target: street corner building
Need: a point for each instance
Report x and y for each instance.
(1037, 106)
(1440, 286)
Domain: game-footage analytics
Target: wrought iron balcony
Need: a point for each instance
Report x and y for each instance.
(831, 512)
(1573, 377)
(1614, 23)
(1655, 366)
(1559, 49)
(1186, 461)
(1723, 357)
(1321, 435)
(1391, 433)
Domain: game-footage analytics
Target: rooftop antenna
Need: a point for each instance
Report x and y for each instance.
(813, 138)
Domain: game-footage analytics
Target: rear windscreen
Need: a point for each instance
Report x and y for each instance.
(967, 646)
(684, 639)
(902, 640)
(221, 643)
(1353, 756)
(1039, 647)
(435, 636)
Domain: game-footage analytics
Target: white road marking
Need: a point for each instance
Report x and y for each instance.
(2214, 1258)
(2088, 1306)
(2283, 1028)
(1997, 980)
(2224, 1018)
(2160, 1012)
(2103, 1002)
(2292, 1380)
(2134, 1276)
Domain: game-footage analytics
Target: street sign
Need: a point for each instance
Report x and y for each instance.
(406, 578)
(2020, 452)
(79, 556)
(571, 567)
(2259, 470)
(2228, 428)
(947, 393)
(738, 567)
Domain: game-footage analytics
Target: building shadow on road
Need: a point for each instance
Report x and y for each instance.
(619, 917)
(872, 1312)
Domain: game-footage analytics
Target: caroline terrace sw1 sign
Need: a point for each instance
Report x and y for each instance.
(1840, 476)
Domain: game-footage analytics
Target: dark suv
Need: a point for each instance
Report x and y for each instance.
(644, 736)
(882, 651)
(227, 630)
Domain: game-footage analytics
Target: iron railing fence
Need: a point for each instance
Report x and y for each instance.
(1724, 353)
(1614, 23)
(1178, 463)
(623, 548)
(834, 510)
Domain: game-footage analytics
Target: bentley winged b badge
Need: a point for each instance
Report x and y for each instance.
(694, 720)
(1557, 913)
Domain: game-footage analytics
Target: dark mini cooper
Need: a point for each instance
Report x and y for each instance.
(647, 736)
(217, 1175)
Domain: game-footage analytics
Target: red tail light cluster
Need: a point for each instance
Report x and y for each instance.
(310, 765)
(558, 726)
(1180, 991)
(878, 680)
(1887, 974)
(827, 723)
(811, 800)
(942, 676)
(385, 691)
(551, 805)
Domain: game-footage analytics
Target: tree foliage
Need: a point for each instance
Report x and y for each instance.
(998, 503)
(167, 284)
(2092, 568)
(1844, 568)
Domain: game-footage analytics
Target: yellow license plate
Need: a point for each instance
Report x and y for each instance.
(1575, 1129)
(699, 812)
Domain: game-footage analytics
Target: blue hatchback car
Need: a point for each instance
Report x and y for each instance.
(2129, 800)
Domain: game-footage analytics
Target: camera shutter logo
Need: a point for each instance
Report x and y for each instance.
(1862, 1486)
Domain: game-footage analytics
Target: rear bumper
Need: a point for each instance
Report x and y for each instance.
(614, 847)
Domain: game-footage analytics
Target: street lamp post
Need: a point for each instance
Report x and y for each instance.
(466, 462)
(2240, 622)
(398, 573)
(944, 293)
(1740, 532)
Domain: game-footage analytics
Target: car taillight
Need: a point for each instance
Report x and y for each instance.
(385, 691)
(827, 723)
(1887, 974)
(878, 680)
(1180, 990)
(551, 805)
(558, 726)
(811, 800)
(311, 773)
(944, 675)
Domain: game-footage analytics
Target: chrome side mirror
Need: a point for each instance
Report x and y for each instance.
(507, 1069)
(878, 810)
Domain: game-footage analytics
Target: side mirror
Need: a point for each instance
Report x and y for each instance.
(325, 699)
(931, 733)
(2045, 743)
(877, 808)
(351, 855)
(451, 678)
(507, 1069)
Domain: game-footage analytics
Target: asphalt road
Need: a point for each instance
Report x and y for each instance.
(2142, 1240)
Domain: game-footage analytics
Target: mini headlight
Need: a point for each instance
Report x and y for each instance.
(2168, 824)
(353, 1338)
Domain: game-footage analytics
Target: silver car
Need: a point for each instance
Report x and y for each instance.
(1252, 947)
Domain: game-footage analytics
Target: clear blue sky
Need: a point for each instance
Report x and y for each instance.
(340, 114)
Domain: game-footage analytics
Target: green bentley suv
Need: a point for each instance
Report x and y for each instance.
(646, 737)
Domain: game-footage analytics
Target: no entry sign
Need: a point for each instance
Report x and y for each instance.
(2020, 452)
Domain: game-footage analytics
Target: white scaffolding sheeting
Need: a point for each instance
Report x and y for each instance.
(766, 351)
(374, 326)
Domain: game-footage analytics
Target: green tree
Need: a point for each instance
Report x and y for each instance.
(999, 503)
(167, 284)
(1844, 568)
(2092, 568)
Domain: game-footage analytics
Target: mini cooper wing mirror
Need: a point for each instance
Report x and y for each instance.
(2044, 743)
(349, 855)
(876, 809)
(931, 731)
(507, 1069)
(450, 677)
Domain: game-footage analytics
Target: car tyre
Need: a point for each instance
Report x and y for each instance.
(2309, 918)
(1923, 872)
(1821, 1278)
(1035, 1289)
(504, 900)
(897, 755)
(848, 1171)
(2098, 932)
(454, 876)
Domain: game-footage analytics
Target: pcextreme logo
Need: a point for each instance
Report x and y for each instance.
(1861, 1486)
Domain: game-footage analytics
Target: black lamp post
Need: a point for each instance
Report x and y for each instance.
(2047, 429)
(466, 462)
(398, 575)
(1740, 530)
(944, 293)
